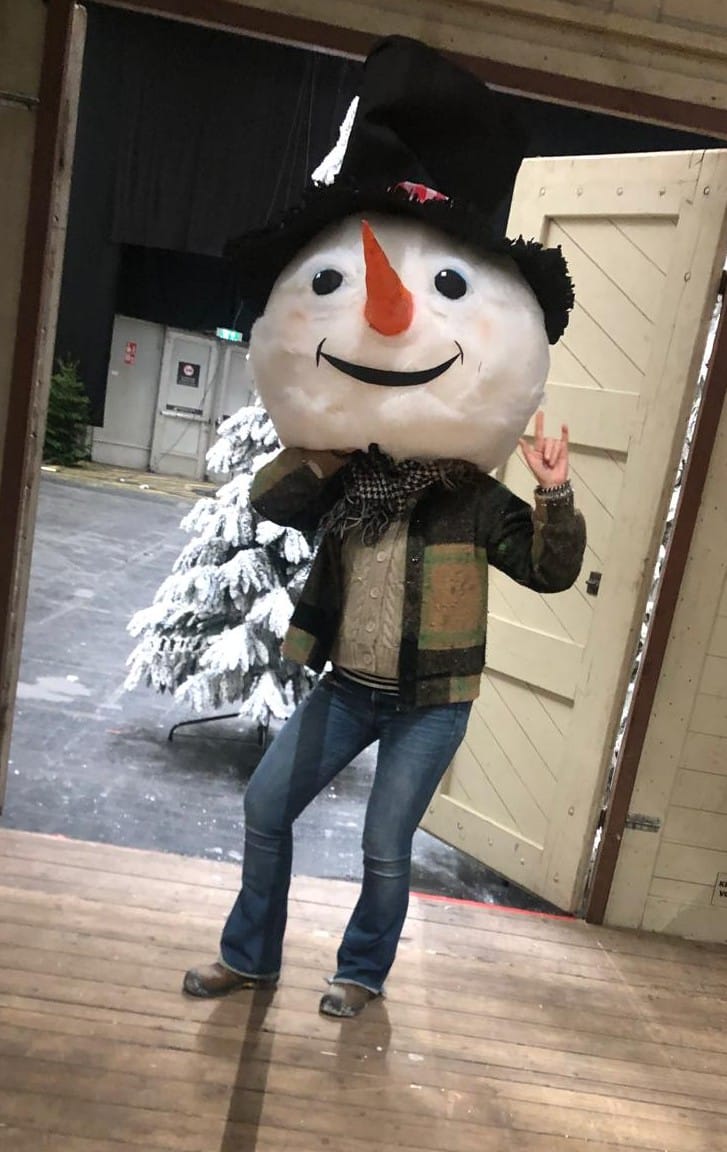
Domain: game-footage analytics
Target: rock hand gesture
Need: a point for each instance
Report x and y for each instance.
(546, 457)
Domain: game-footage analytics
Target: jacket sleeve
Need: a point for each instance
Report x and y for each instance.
(540, 547)
(297, 487)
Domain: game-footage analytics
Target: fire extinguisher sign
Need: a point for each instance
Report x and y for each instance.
(130, 352)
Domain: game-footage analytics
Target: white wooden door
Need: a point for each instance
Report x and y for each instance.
(187, 385)
(644, 236)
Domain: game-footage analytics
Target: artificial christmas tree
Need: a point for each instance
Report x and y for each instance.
(213, 634)
(67, 417)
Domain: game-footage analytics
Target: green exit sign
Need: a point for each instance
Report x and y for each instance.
(229, 334)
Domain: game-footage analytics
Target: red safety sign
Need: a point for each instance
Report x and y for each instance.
(130, 353)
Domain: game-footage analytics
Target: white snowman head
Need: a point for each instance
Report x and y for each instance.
(387, 331)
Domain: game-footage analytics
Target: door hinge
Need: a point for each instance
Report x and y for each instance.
(641, 823)
(593, 583)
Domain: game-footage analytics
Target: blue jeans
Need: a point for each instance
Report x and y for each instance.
(336, 722)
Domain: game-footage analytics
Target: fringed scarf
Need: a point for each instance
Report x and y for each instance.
(378, 491)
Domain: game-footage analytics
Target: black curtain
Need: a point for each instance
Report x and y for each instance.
(219, 132)
(186, 137)
(180, 289)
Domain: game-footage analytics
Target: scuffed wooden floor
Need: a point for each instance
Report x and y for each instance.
(501, 1030)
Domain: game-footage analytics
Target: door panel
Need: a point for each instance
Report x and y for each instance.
(644, 238)
(187, 393)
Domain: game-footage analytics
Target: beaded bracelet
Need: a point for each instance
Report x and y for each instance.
(557, 492)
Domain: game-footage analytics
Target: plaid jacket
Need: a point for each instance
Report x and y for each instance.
(454, 535)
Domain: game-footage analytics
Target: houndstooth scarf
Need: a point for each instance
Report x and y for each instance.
(378, 491)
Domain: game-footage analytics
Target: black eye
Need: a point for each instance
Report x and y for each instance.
(450, 283)
(326, 281)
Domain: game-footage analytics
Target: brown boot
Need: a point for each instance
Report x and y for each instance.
(345, 1000)
(216, 980)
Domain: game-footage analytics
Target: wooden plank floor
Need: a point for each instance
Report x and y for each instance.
(501, 1030)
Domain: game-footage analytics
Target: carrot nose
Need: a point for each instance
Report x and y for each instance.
(389, 305)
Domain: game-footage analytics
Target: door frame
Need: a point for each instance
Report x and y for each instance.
(33, 346)
(19, 483)
(653, 655)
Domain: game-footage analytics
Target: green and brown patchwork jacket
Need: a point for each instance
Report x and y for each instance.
(454, 535)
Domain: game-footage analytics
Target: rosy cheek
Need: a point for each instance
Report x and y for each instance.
(294, 326)
(484, 326)
(297, 319)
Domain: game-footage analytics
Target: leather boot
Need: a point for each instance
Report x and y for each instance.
(345, 1000)
(216, 980)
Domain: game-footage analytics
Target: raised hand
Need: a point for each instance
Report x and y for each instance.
(547, 458)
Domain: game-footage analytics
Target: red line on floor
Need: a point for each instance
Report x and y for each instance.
(492, 907)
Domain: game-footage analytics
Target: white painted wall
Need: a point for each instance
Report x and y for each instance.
(131, 395)
(150, 421)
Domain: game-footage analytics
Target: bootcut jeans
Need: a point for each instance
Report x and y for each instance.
(326, 732)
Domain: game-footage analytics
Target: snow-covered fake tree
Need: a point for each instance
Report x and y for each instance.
(213, 633)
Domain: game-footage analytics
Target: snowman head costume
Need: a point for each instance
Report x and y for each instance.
(396, 312)
(402, 349)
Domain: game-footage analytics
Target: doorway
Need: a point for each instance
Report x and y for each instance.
(284, 31)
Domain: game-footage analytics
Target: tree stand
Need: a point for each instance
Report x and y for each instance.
(263, 730)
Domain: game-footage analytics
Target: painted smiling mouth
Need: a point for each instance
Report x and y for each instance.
(384, 376)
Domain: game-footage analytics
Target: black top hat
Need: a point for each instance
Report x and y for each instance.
(428, 140)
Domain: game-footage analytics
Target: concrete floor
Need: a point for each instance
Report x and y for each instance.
(91, 761)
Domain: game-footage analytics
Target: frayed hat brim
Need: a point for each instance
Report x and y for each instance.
(261, 256)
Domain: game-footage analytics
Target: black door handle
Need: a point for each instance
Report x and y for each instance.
(593, 583)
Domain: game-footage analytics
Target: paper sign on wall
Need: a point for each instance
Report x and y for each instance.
(130, 352)
(719, 896)
(188, 374)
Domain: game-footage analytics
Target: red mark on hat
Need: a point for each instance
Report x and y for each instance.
(419, 192)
